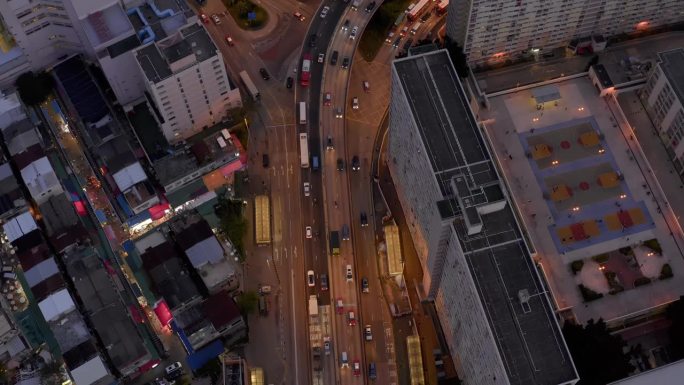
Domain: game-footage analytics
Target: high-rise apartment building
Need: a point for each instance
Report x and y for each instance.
(498, 30)
(477, 268)
(663, 96)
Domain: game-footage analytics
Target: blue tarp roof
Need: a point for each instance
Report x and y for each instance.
(184, 339)
(129, 246)
(204, 355)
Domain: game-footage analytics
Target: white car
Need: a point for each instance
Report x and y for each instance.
(173, 368)
(338, 113)
(321, 57)
(352, 35)
(307, 189)
(348, 274)
(309, 233)
(216, 19)
(324, 12)
(310, 278)
(355, 103)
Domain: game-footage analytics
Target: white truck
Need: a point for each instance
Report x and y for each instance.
(356, 4)
(313, 306)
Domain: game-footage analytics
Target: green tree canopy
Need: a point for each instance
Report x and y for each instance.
(597, 354)
(247, 302)
(34, 88)
(233, 223)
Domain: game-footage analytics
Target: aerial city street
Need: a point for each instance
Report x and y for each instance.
(341, 192)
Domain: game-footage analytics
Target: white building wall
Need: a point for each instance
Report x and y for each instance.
(123, 75)
(502, 29)
(462, 317)
(194, 98)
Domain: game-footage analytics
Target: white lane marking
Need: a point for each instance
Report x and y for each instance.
(294, 326)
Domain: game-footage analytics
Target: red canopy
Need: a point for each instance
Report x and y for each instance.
(163, 312)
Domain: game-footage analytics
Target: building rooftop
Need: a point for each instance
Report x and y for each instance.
(200, 244)
(106, 25)
(70, 330)
(603, 76)
(20, 136)
(672, 63)
(527, 336)
(104, 306)
(163, 17)
(58, 213)
(169, 277)
(157, 59)
(11, 196)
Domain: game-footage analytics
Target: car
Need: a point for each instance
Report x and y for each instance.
(333, 58)
(312, 40)
(356, 367)
(298, 15)
(345, 26)
(354, 30)
(326, 345)
(370, 6)
(372, 373)
(309, 232)
(345, 232)
(327, 99)
(324, 282)
(264, 73)
(351, 317)
(356, 163)
(204, 18)
(365, 287)
(229, 41)
(396, 42)
(340, 164)
(216, 19)
(364, 219)
(349, 274)
(425, 17)
(345, 63)
(310, 278)
(321, 57)
(367, 333)
(174, 371)
(265, 160)
(366, 85)
(289, 82)
(329, 143)
(404, 31)
(307, 189)
(324, 12)
(389, 38)
(338, 113)
(339, 306)
(355, 103)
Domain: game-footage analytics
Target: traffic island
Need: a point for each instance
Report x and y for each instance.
(246, 14)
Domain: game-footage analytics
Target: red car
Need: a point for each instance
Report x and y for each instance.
(229, 40)
(339, 306)
(357, 368)
(204, 18)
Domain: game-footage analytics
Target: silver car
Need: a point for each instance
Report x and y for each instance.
(354, 30)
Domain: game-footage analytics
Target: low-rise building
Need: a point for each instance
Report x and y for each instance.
(206, 254)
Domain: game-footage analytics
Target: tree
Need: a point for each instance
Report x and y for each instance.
(52, 373)
(33, 88)
(233, 224)
(457, 56)
(675, 313)
(597, 354)
(247, 302)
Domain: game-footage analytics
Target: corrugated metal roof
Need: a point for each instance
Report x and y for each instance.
(56, 305)
(41, 271)
(18, 226)
(129, 176)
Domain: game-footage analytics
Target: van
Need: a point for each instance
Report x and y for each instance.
(372, 372)
(263, 307)
(344, 360)
(315, 163)
(415, 28)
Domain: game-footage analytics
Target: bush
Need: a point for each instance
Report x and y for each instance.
(233, 223)
(654, 245)
(601, 258)
(576, 266)
(240, 9)
(641, 281)
(666, 272)
(588, 294)
(615, 286)
(33, 88)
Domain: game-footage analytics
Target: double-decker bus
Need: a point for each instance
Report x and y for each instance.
(417, 10)
(305, 75)
(442, 7)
